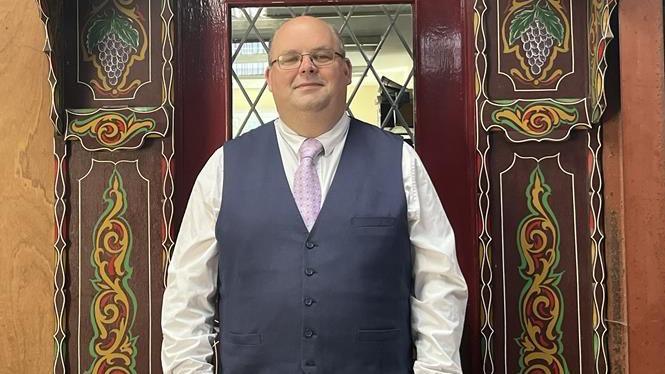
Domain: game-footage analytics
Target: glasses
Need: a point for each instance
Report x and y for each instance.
(320, 58)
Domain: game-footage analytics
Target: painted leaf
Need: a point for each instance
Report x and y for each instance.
(97, 31)
(520, 23)
(126, 32)
(552, 23)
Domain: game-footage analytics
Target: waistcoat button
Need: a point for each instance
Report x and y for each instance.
(309, 272)
(309, 301)
(310, 245)
(309, 333)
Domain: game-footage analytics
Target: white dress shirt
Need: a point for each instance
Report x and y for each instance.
(440, 294)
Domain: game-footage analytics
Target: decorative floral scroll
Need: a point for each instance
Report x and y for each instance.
(536, 32)
(112, 130)
(537, 119)
(113, 310)
(541, 301)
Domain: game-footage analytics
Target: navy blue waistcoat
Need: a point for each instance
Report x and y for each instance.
(333, 301)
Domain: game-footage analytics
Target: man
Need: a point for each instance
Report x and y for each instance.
(319, 240)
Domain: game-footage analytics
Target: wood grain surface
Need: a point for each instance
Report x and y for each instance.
(26, 193)
(643, 172)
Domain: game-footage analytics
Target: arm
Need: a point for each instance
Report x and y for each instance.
(440, 293)
(188, 308)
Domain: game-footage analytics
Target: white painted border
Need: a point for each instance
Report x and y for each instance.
(52, 78)
(168, 186)
(606, 36)
(600, 328)
(59, 298)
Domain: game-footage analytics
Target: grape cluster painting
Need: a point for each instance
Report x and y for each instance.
(113, 39)
(114, 49)
(537, 43)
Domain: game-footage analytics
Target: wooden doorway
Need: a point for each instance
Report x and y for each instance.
(493, 103)
(442, 97)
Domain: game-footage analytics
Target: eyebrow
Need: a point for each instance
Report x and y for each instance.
(311, 50)
(289, 51)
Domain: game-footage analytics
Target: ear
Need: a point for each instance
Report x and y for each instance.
(347, 70)
(268, 78)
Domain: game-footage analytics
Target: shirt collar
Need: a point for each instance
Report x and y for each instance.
(330, 139)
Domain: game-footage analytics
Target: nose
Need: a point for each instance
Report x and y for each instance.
(307, 65)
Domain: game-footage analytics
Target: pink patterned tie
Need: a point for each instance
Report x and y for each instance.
(306, 185)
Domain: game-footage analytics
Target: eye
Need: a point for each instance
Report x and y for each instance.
(289, 59)
(323, 57)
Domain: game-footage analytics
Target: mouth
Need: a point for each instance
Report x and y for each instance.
(306, 85)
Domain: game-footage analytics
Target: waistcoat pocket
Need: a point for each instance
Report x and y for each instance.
(241, 339)
(377, 335)
(373, 221)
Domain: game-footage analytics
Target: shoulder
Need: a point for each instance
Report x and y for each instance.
(250, 138)
(208, 181)
(376, 133)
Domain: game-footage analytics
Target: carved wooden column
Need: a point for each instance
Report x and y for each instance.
(540, 68)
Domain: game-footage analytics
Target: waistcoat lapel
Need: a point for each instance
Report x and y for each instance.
(342, 185)
(282, 189)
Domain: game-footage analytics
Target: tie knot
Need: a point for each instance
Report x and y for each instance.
(310, 148)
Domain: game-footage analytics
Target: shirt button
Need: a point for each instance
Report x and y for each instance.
(309, 333)
(310, 245)
(309, 272)
(309, 301)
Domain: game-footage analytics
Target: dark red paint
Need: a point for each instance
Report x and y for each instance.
(445, 137)
(202, 95)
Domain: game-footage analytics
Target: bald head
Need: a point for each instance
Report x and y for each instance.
(310, 98)
(303, 25)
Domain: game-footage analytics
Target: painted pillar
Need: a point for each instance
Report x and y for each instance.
(540, 97)
(113, 116)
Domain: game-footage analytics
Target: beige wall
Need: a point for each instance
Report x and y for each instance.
(26, 192)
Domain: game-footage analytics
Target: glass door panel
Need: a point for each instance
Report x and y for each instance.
(378, 40)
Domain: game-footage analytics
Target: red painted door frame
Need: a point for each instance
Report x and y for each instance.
(445, 138)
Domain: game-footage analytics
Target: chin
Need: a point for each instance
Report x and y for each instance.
(312, 105)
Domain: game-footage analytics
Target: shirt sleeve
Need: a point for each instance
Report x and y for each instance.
(440, 292)
(189, 299)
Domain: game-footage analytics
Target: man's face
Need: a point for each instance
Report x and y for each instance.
(307, 88)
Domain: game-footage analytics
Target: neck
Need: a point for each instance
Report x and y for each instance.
(311, 125)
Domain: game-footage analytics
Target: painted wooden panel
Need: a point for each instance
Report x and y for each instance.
(115, 261)
(114, 52)
(540, 47)
(114, 181)
(539, 99)
(542, 255)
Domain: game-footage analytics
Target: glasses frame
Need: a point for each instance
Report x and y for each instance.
(302, 56)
